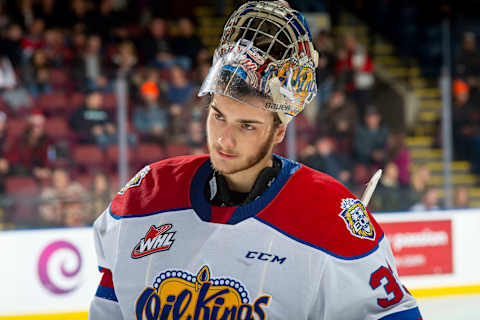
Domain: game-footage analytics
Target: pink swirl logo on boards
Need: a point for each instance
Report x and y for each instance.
(58, 266)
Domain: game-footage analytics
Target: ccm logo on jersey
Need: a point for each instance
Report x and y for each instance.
(157, 239)
(177, 294)
(356, 219)
(265, 257)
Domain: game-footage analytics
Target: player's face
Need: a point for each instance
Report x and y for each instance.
(240, 137)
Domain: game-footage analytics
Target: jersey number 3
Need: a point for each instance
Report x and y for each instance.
(390, 285)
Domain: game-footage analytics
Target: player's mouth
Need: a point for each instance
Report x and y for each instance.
(226, 155)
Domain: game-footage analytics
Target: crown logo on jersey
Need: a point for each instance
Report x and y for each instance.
(136, 180)
(356, 219)
(157, 239)
(181, 295)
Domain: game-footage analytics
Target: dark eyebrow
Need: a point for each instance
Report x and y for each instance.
(247, 121)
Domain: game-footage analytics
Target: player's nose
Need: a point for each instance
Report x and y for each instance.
(227, 139)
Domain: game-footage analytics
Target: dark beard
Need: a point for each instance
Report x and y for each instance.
(253, 160)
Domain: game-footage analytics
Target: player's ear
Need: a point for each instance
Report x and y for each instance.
(280, 131)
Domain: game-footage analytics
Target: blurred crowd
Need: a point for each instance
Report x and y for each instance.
(345, 136)
(59, 61)
(466, 99)
(58, 108)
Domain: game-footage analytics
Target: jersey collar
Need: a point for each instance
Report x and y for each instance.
(203, 208)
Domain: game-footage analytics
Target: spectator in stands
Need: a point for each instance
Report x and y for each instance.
(78, 14)
(196, 136)
(463, 127)
(78, 42)
(4, 163)
(199, 103)
(428, 202)
(467, 62)
(4, 16)
(90, 65)
(3, 133)
(197, 149)
(8, 78)
(29, 154)
(105, 15)
(200, 74)
(60, 198)
(400, 155)
(47, 10)
(326, 66)
(338, 119)
(306, 151)
(187, 46)
(38, 61)
(326, 160)
(101, 193)
(462, 198)
(389, 195)
(40, 84)
(55, 47)
(75, 215)
(125, 59)
(10, 46)
(370, 140)
(150, 117)
(156, 46)
(466, 126)
(91, 123)
(180, 94)
(33, 39)
(419, 178)
(180, 88)
(17, 98)
(355, 68)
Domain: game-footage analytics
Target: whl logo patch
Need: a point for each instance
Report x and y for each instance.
(157, 239)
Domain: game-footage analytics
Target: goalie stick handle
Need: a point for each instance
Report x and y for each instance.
(372, 184)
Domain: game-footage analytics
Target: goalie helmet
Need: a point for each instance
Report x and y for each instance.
(265, 59)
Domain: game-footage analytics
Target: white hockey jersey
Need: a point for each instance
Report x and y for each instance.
(305, 249)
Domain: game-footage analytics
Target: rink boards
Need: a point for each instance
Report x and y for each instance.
(52, 273)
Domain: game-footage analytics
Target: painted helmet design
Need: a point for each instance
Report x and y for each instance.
(265, 59)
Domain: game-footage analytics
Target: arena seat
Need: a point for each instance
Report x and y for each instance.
(148, 153)
(76, 100)
(57, 128)
(361, 174)
(112, 156)
(52, 103)
(60, 79)
(21, 185)
(15, 127)
(89, 157)
(109, 101)
(22, 192)
(177, 149)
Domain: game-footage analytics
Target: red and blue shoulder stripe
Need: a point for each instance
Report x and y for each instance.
(106, 289)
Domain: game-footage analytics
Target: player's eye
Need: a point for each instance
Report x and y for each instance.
(218, 116)
(248, 127)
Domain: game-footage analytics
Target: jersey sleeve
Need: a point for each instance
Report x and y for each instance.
(105, 304)
(364, 288)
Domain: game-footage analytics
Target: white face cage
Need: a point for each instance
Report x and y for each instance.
(265, 52)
